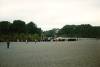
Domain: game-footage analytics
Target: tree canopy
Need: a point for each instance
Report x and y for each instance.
(4, 27)
(19, 30)
(84, 30)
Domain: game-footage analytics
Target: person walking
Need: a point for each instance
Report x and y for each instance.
(35, 41)
(26, 42)
(8, 44)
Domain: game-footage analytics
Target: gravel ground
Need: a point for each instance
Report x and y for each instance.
(82, 53)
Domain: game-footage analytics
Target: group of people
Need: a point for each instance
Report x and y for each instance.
(8, 43)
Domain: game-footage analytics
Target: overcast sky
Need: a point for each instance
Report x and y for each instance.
(49, 14)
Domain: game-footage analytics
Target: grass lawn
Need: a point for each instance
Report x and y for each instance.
(82, 53)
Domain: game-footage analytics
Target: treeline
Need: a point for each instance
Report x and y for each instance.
(80, 31)
(19, 31)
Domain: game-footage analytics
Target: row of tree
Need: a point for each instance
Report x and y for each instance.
(84, 31)
(19, 30)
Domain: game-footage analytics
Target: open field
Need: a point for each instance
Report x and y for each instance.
(82, 53)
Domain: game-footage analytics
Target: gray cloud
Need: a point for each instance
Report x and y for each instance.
(51, 13)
